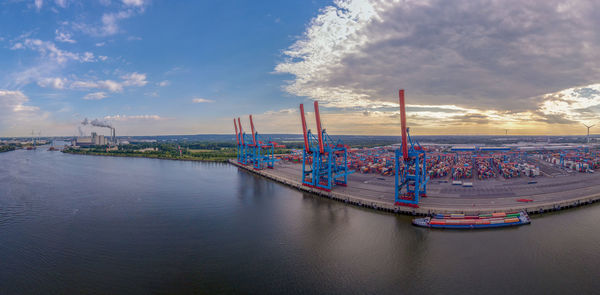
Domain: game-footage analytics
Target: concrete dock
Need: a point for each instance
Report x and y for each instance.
(555, 191)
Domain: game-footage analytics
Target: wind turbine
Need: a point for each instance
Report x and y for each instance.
(588, 131)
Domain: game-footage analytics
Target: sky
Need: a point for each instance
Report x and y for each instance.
(152, 67)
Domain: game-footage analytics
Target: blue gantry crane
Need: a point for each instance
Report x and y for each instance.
(258, 153)
(410, 166)
(325, 161)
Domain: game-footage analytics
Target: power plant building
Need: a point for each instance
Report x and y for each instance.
(94, 140)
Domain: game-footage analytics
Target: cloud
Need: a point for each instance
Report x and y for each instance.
(134, 79)
(485, 54)
(38, 4)
(579, 104)
(134, 117)
(63, 37)
(164, 83)
(129, 80)
(95, 96)
(56, 83)
(16, 115)
(15, 102)
(136, 3)
(202, 100)
(100, 44)
(48, 49)
(110, 85)
(61, 3)
(109, 22)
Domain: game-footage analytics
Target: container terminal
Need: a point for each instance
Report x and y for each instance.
(426, 179)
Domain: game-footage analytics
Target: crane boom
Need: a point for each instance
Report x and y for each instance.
(253, 133)
(318, 118)
(403, 124)
(241, 130)
(304, 129)
(237, 137)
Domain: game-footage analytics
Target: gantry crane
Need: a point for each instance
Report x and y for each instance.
(411, 177)
(259, 154)
(325, 162)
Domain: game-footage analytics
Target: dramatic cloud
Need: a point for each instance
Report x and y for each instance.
(501, 55)
(581, 104)
(202, 100)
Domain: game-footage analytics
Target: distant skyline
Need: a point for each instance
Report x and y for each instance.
(189, 67)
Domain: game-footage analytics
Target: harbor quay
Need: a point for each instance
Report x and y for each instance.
(546, 194)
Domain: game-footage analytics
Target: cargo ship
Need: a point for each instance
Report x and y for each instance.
(462, 221)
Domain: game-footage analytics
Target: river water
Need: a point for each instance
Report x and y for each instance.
(75, 224)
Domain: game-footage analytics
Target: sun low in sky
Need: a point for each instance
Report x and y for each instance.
(153, 67)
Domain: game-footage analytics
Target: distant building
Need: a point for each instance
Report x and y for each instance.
(94, 140)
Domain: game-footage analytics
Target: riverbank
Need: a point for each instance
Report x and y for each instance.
(209, 158)
(6, 148)
(377, 193)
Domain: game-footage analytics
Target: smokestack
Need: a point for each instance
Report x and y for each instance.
(98, 123)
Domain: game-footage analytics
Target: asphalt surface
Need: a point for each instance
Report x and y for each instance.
(554, 186)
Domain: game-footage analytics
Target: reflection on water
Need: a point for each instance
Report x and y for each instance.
(86, 224)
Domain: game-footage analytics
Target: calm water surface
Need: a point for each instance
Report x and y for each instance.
(84, 224)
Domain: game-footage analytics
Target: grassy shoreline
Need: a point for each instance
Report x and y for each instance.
(7, 148)
(222, 159)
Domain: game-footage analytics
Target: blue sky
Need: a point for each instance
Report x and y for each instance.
(152, 67)
(221, 51)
